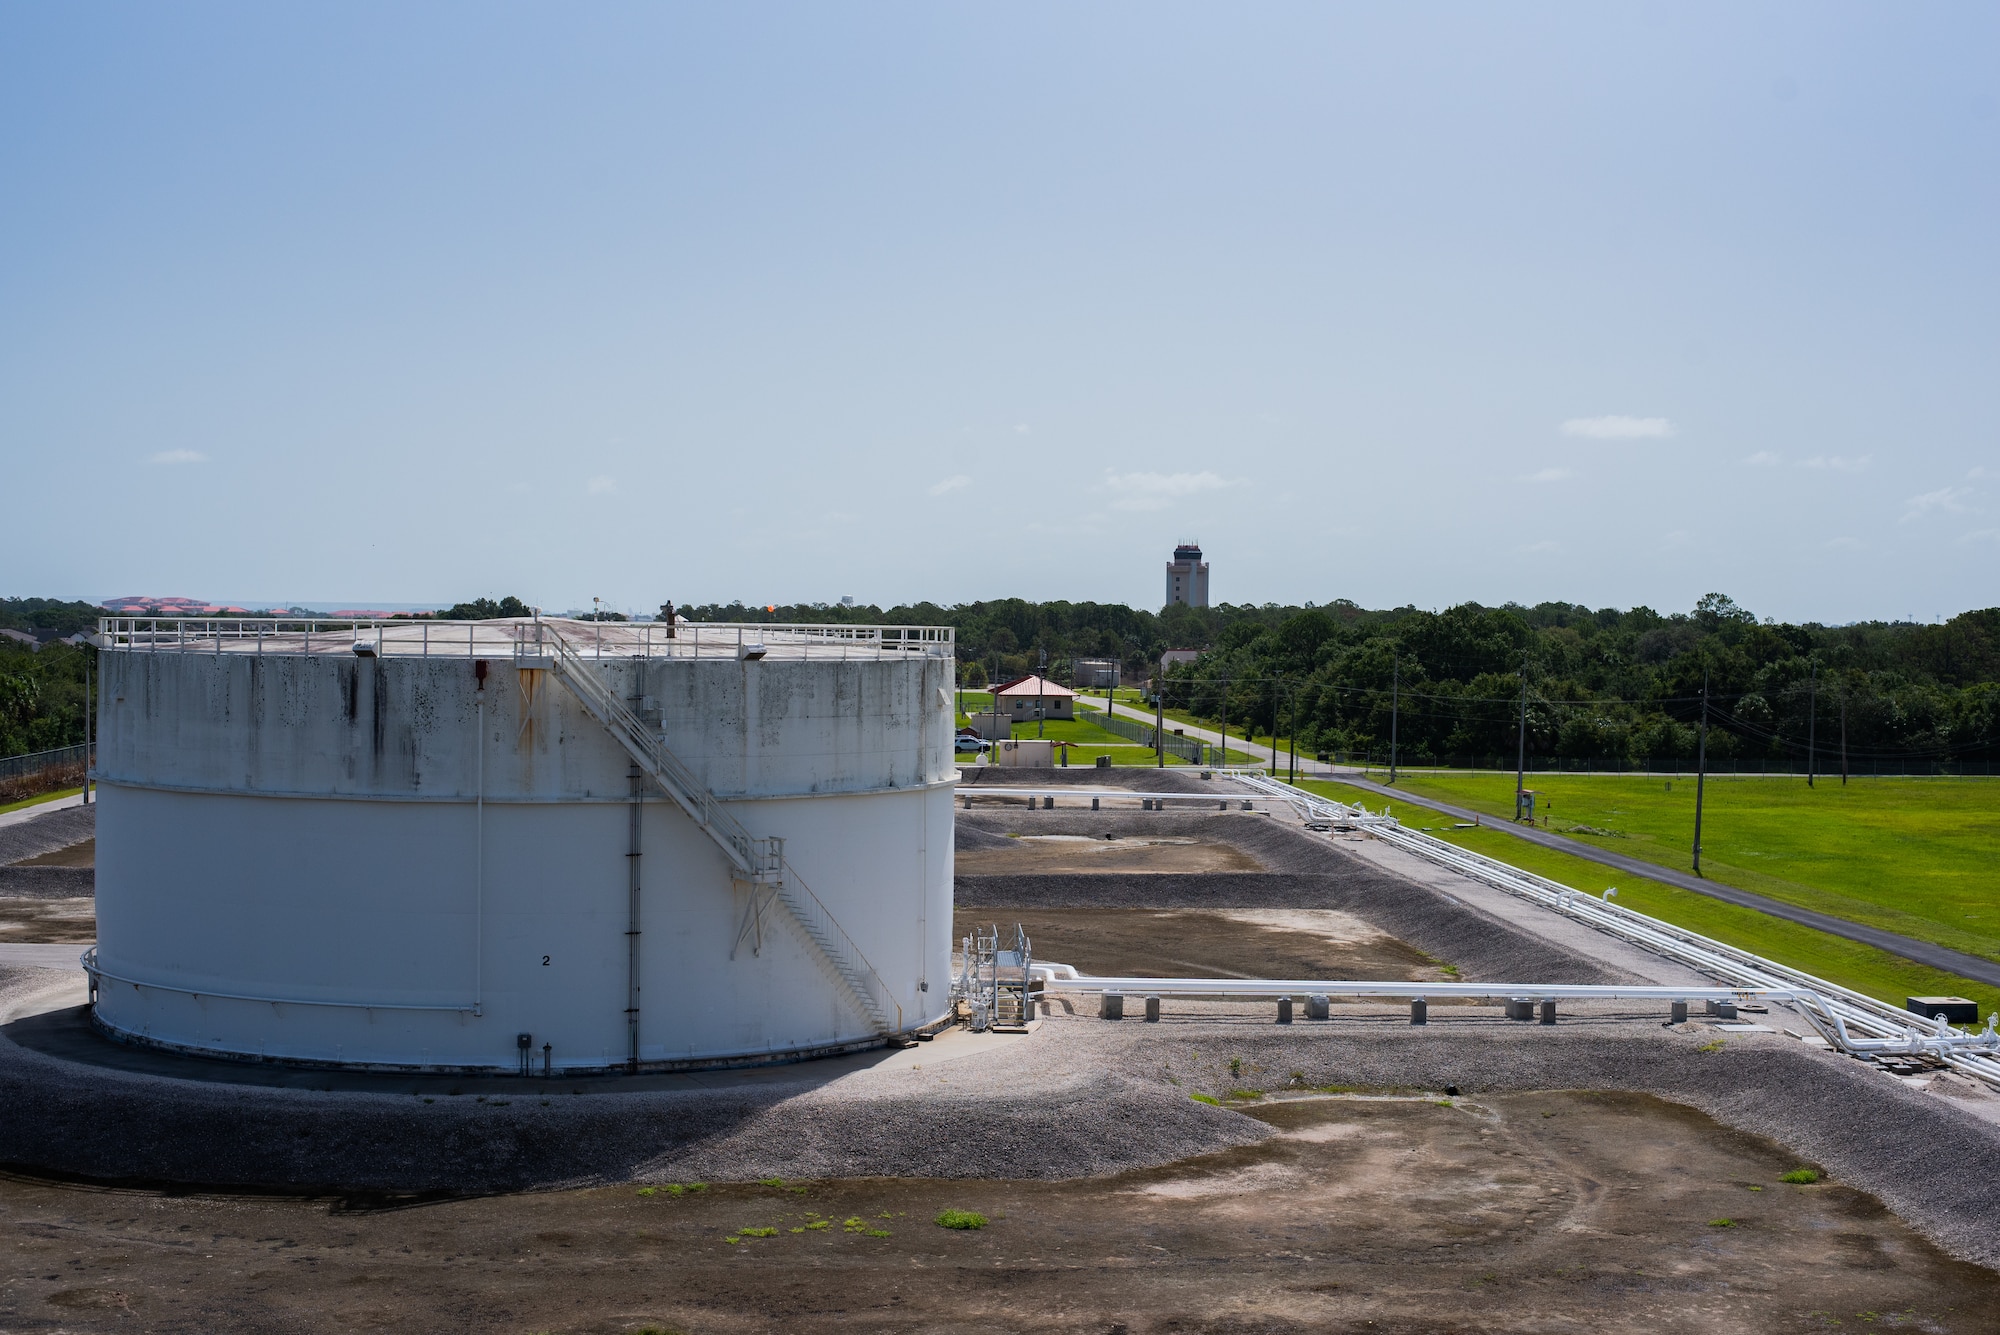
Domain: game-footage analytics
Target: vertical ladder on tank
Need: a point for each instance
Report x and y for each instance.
(758, 861)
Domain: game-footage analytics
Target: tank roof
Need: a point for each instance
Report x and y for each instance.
(519, 638)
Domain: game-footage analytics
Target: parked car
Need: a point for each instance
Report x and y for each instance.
(971, 742)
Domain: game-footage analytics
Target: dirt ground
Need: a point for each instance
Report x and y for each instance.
(48, 920)
(1541, 1212)
(1224, 943)
(76, 855)
(1378, 1211)
(38, 919)
(1050, 854)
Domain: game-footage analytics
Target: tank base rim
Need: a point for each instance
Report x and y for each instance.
(743, 1061)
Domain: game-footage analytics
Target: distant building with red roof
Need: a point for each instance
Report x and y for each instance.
(1021, 697)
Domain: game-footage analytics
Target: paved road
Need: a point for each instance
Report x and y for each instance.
(40, 956)
(1255, 750)
(39, 809)
(1908, 947)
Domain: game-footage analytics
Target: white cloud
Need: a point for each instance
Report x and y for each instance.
(1951, 500)
(1545, 545)
(1157, 491)
(179, 457)
(1547, 475)
(1020, 428)
(956, 482)
(1980, 535)
(601, 485)
(1763, 459)
(1844, 544)
(1838, 463)
(1617, 427)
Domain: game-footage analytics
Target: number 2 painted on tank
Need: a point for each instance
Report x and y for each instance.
(545, 961)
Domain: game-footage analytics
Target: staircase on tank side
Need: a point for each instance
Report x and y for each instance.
(759, 861)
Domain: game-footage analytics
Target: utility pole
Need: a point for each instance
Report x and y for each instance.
(1700, 770)
(1843, 736)
(1277, 702)
(1041, 675)
(1395, 705)
(1292, 712)
(1160, 715)
(993, 695)
(1222, 756)
(87, 738)
(1521, 755)
(1812, 720)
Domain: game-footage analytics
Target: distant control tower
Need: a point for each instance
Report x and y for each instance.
(1187, 577)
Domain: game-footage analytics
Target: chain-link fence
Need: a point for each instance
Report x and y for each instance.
(1186, 748)
(41, 771)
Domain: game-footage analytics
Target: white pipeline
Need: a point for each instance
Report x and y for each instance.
(1848, 1020)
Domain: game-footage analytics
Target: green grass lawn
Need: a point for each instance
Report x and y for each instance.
(1122, 754)
(1184, 719)
(1235, 756)
(1086, 741)
(40, 798)
(1912, 855)
(1081, 731)
(1093, 700)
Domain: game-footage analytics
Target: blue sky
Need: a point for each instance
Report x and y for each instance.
(1613, 303)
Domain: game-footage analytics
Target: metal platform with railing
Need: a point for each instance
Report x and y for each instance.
(517, 638)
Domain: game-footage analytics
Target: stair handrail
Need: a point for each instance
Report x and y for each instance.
(842, 943)
(760, 861)
(738, 844)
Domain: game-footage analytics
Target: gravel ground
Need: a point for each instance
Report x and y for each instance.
(1052, 1113)
(966, 837)
(1180, 779)
(1609, 951)
(25, 989)
(1931, 1164)
(46, 833)
(1307, 871)
(1080, 1097)
(48, 882)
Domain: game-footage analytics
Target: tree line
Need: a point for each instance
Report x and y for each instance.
(1603, 686)
(1606, 686)
(41, 689)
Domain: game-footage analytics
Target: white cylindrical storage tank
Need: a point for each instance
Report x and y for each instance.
(510, 843)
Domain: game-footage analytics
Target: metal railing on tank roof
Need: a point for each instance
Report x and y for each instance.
(741, 640)
(521, 638)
